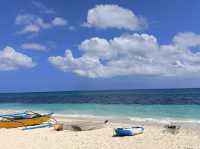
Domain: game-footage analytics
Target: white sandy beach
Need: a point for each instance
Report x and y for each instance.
(152, 138)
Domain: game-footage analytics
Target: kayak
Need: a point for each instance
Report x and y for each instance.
(21, 120)
(45, 125)
(129, 131)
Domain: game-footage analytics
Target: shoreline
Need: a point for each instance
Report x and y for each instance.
(117, 119)
(154, 137)
(127, 121)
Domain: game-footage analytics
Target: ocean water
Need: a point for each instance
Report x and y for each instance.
(166, 105)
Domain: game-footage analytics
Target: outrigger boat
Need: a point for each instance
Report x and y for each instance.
(28, 118)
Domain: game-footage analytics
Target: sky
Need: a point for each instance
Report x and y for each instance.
(61, 45)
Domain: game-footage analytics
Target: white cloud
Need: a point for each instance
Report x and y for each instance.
(34, 46)
(24, 19)
(114, 16)
(187, 39)
(34, 24)
(59, 21)
(31, 28)
(11, 60)
(43, 8)
(72, 28)
(132, 54)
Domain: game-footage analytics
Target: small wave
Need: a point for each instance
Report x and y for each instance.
(165, 120)
(82, 116)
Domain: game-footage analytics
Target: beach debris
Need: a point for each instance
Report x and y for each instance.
(58, 126)
(106, 121)
(82, 126)
(85, 126)
(77, 128)
(128, 131)
(172, 128)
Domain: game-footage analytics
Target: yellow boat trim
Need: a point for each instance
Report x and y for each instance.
(25, 122)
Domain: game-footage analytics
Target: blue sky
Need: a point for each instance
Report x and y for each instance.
(148, 44)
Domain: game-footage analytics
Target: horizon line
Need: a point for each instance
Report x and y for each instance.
(95, 90)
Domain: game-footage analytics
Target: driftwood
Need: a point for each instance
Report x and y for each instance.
(83, 126)
(173, 129)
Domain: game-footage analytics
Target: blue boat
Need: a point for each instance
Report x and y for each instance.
(128, 131)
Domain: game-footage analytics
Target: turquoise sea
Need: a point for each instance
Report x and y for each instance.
(180, 105)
